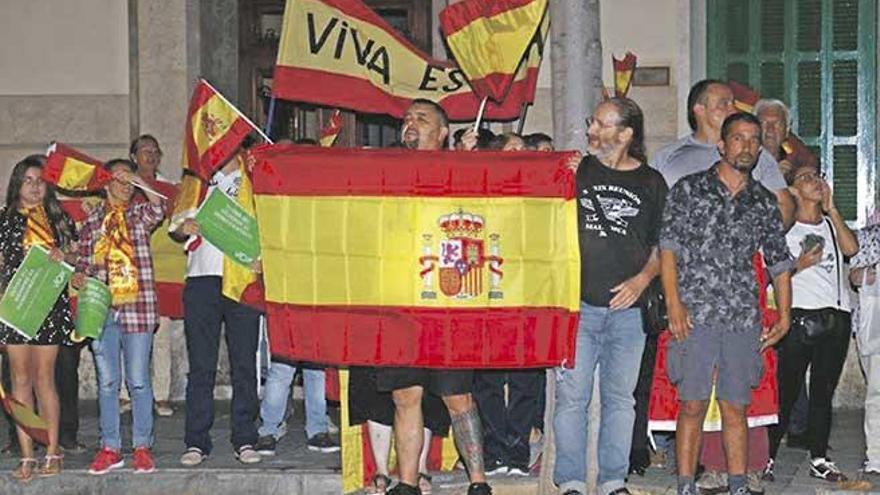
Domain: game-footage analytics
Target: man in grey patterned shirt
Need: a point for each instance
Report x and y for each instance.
(713, 223)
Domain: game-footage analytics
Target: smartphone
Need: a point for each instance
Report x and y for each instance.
(810, 241)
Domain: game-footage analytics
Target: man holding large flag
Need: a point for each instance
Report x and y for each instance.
(425, 128)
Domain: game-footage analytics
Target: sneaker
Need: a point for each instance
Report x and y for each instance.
(871, 469)
(323, 443)
(768, 475)
(142, 460)
(105, 461)
(192, 457)
(755, 483)
(481, 488)
(266, 445)
(572, 492)
(163, 408)
(712, 482)
(247, 455)
(517, 470)
(824, 469)
(72, 447)
(404, 489)
(495, 467)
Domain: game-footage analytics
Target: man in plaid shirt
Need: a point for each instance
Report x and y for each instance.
(115, 248)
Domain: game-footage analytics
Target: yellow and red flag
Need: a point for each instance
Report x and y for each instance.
(340, 53)
(489, 40)
(623, 74)
(744, 97)
(25, 417)
(434, 259)
(73, 170)
(331, 131)
(214, 130)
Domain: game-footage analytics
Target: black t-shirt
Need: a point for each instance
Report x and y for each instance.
(617, 247)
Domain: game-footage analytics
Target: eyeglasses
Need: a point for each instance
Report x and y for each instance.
(809, 177)
(591, 120)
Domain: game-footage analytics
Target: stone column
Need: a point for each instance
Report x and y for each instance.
(576, 55)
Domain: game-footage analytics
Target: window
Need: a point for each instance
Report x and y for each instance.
(818, 56)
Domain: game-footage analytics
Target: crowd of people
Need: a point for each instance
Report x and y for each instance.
(685, 224)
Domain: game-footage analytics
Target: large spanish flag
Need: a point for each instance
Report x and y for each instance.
(214, 129)
(489, 40)
(429, 259)
(73, 170)
(340, 53)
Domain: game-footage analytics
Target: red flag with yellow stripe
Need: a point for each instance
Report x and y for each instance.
(73, 170)
(331, 131)
(489, 40)
(428, 259)
(214, 130)
(623, 74)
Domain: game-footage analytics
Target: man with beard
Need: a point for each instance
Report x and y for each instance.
(713, 223)
(425, 128)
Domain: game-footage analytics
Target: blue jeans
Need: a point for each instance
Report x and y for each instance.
(136, 348)
(613, 341)
(277, 390)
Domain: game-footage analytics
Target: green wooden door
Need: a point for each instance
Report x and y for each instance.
(819, 57)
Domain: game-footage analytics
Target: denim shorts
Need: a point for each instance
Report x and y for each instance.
(691, 363)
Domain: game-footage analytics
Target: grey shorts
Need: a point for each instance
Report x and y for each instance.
(691, 363)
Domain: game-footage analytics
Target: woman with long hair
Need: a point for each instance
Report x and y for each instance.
(33, 216)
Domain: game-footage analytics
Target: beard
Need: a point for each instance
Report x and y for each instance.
(744, 162)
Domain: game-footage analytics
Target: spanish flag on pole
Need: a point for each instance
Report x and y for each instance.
(428, 259)
(73, 170)
(623, 74)
(489, 40)
(214, 130)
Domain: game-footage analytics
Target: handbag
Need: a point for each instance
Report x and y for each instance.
(814, 324)
(655, 319)
(654, 316)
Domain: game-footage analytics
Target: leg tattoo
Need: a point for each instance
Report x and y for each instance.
(468, 434)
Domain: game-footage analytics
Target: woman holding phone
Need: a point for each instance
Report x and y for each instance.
(820, 329)
(31, 217)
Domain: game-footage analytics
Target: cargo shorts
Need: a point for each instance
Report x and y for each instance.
(734, 353)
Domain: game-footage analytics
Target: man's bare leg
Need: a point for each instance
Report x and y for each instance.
(735, 433)
(408, 434)
(688, 432)
(468, 433)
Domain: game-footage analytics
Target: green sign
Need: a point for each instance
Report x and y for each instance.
(225, 224)
(32, 292)
(93, 303)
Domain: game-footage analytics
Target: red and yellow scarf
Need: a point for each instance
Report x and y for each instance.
(38, 232)
(116, 250)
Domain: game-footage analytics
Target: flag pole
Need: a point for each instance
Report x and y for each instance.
(480, 114)
(270, 117)
(522, 118)
(148, 189)
(245, 117)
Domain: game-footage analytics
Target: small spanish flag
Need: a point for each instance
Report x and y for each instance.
(214, 130)
(744, 97)
(70, 169)
(331, 131)
(623, 74)
(490, 39)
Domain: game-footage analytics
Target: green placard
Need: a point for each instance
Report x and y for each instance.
(225, 224)
(32, 292)
(93, 303)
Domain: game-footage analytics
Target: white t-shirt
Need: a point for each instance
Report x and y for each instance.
(206, 259)
(824, 284)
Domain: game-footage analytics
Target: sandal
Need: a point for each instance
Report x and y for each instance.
(51, 465)
(25, 470)
(425, 484)
(381, 483)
